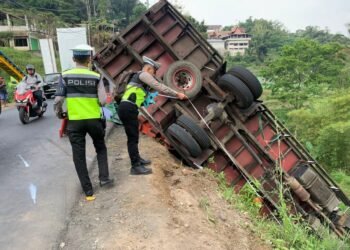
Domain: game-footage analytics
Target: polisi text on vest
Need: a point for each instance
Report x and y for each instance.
(81, 82)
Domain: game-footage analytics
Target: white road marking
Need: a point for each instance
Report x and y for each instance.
(32, 190)
(26, 164)
(89, 159)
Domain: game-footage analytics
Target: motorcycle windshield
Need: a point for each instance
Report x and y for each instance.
(21, 88)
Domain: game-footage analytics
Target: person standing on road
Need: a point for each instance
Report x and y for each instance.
(3, 91)
(34, 79)
(84, 93)
(133, 98)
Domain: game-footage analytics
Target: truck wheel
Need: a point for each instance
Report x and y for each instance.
(195, 130)
(184, 140)
(185, 77)
(23, 116)
(249, 79)
(242, 94)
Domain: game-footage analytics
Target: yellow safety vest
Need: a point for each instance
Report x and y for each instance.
(135, 87)
(81, 94)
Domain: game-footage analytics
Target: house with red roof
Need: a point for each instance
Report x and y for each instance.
(235, 41)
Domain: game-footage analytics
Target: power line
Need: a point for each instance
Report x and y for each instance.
(39, 8)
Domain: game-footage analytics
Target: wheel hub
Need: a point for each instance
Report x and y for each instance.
(184, 79)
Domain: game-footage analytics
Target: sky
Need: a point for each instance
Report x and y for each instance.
(294, 14)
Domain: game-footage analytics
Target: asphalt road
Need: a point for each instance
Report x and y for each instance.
(38, 182)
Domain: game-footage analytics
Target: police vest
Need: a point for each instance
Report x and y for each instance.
(81, 94)
(135, 91)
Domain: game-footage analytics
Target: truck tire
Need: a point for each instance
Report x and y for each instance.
(242, 94)
(184, 77)
(184, 139)
(195, 130)
(249, 79)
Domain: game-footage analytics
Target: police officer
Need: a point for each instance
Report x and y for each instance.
(132, 100)
(84, 93)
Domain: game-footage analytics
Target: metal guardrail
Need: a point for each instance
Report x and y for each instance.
(10, 67)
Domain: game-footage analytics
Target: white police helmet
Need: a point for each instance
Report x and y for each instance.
(82, 50)
(149, 61)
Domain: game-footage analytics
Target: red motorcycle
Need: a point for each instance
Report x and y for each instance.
(27, 104)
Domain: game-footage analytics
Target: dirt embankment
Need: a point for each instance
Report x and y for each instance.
(174, 208)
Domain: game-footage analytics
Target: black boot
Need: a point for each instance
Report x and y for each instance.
(145, 162)
(89, 192)
(139, 169)
(106, 182)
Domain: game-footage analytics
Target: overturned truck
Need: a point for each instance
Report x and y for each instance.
(223, 125)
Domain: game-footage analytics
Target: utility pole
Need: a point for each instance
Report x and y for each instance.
(88, 10)
(94, 7)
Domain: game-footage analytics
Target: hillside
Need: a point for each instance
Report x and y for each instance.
(22, 58)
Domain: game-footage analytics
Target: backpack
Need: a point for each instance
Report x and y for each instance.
(121, 84)
(26, 77)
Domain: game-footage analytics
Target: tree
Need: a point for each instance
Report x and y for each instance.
(324, 128)
(304, 69)
(227, 28)
(267, 36)
(138, 10)
(322, 36)
(104, 9)
(70, 11)
(199, 26)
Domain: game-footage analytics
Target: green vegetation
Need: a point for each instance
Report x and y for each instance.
(306, 80)
(322, 36)
(288, 233)
(267, 36)
(205, 206)
(324, 127)
(304, 69)
(21, 59)
(199, 26)
(78, 11)
(104, 17)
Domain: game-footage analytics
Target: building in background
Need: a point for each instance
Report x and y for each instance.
(218, 44)
(15, 32)
(235, 41)
(213, 28)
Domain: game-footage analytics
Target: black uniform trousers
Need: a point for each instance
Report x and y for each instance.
(77, 131)
(128, 113)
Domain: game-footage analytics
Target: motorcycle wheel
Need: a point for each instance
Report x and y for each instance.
(23, 115)
(41, 113)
